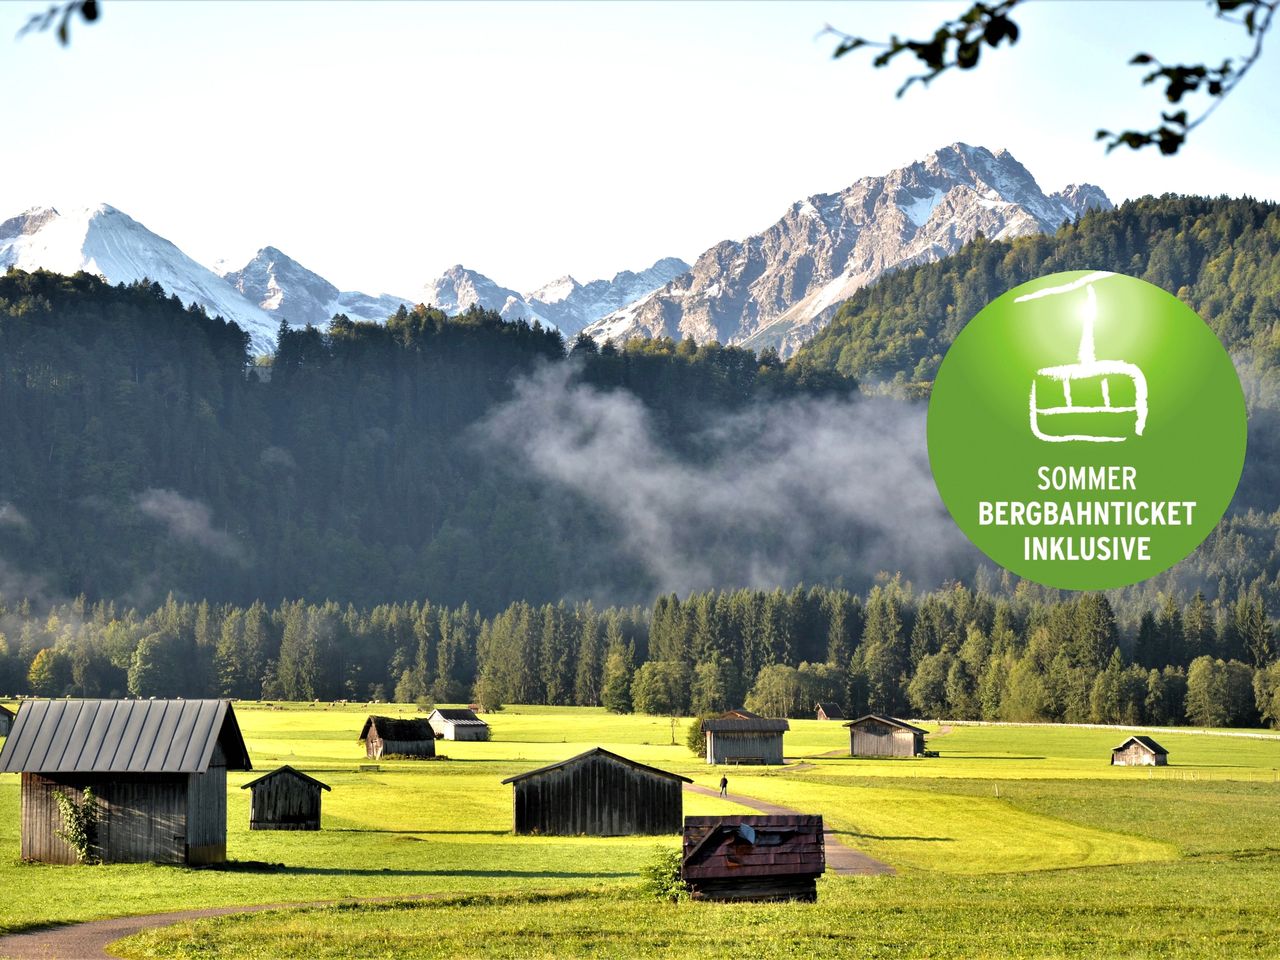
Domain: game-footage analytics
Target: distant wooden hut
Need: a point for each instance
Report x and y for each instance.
(1139, 751)
(738, 739)
(285, 799)
(828, 711)
(876, 735)
(391, 737)
(753, 858)
(458, 725)
(6, 720)
(597, 793)
(157, 768)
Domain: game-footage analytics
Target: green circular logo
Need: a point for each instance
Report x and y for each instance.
(1087, 430)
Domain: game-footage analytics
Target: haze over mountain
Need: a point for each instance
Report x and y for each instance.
(779, 287)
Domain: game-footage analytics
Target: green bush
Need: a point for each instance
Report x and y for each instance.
(660, 877)
(79, 824)
(695, 739)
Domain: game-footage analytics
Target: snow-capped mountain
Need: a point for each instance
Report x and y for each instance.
(105, 241)
(287, 290)
(563, 303)
(779, 287)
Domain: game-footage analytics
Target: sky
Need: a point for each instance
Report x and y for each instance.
(380, 143)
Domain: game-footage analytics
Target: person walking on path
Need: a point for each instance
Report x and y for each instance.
(724, 786)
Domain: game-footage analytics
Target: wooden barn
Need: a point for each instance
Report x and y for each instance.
(828, 711)
(753, 858)
(390, 737)
(158, 769)
(735, 739)
(458, 725)
(6, 720)
(1139, 752)
(876, 735)
(285, 799)
(600, 794)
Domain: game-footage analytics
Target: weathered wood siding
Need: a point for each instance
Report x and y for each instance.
(207, 812)
(285, 803)
(6, 723)
(376, 747)
(872, 739)
(143, 816)
(599, 797)
(744, 747)
(1134, 755)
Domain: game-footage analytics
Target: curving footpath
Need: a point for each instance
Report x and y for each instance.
(89, 940)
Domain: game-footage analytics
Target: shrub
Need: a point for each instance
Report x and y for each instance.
(79, 824)
(660, 877)
(695, 739)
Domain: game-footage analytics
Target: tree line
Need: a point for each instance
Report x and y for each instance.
(1018, 653)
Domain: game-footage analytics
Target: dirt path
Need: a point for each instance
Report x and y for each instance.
(841, 859)
(89, 941)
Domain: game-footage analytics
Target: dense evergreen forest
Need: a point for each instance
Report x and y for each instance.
(1017, 653)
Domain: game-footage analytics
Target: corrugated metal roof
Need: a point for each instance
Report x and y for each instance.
(759, 725)
(593, 752)
(460, 717)
(1147, 742)
(122, 736)
(887, 721)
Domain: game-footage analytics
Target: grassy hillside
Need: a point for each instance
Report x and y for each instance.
(1031, 824)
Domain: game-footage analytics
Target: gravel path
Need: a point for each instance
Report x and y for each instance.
(841, 859)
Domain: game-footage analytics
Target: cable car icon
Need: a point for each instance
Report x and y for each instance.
(1107, 422)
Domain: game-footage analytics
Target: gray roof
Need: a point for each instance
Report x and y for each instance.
(598, 752)
(887, 721)
(1145, 742)
(460, 717)
(755, 725)
(286, 771)
(122, 736)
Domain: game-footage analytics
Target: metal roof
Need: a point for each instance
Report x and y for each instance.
(757, 725)
(286, 770)
(598, 751)
(887, 721)
(122, 736)
(460, 717)
(1145, 742)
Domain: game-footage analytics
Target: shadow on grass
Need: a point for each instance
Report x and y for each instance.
(460, 833)
(878, 836)
(388, 872)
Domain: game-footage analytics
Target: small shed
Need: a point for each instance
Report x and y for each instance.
(828, 711)
(391, 737)
(285, 799)
(6, 720)
(1139, 751)
(458, 725)
(600, 794)
(732, 739)
(157, 768)
(876, 735)
(753, 858)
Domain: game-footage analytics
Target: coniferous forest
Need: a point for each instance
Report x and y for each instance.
(357, 516)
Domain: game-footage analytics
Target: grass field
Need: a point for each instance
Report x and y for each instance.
(1016, 841)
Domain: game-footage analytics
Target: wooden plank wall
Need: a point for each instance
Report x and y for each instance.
(1135, 756)
(285, 803)
(752, 746)
(599, 797)
(207, 812)
(880, 740)
(376, 747)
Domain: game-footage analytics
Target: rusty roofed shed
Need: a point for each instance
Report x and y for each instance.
(285, 799)
(754, 857)
(158, 769)
(737, 739)
(391, 737)
(876, 735)
(597, 793)
(1139, 751)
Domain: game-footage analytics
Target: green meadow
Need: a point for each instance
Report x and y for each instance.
(1015, 841)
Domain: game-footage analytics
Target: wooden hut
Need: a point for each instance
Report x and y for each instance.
(1139, 751)
(876, 735)
(753, 858)
(285, 799)
(732, 739)
(6, 720)
(390, 737)
(597, 793)
(458, 725)
(157, 768)
(828, 711)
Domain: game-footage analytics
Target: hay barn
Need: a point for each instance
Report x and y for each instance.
(6, 720)
(753, 858)
(828, 711)
(285, 799)
(1139, 752)
(597, 793)
(735, 739)
(390, 737)
(876, 735)
(158, 769)
(458, 725)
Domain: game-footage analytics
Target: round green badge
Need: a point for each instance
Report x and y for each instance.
(1087, 430)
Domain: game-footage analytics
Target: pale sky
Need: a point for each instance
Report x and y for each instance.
(379, 143)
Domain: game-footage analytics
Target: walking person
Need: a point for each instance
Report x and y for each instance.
(724, 786)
